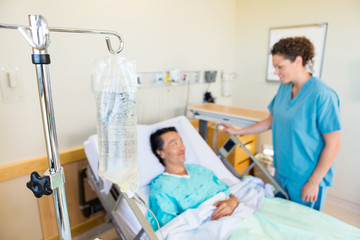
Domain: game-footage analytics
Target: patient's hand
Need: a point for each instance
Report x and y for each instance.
(224, 208)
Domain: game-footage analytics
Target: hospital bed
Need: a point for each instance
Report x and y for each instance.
(276, 219)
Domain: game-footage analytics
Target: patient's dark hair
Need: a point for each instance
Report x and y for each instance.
(157, 142)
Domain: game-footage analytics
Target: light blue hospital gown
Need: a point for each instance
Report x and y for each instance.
(298, 126)
(170, 195)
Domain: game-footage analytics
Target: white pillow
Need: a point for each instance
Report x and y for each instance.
(149, 165)
(92, 153)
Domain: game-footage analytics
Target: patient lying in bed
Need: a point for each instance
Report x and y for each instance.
(274, 218)
(182, 186)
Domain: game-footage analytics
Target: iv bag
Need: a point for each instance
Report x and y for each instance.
(115, 89)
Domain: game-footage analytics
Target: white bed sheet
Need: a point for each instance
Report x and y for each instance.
(197, 152)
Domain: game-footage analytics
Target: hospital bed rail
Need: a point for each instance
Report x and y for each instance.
(229, 146)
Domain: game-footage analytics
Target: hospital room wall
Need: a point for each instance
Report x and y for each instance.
(159, 35)
(341, 69)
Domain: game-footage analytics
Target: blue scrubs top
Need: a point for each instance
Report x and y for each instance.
(298, 126)
(170, 195)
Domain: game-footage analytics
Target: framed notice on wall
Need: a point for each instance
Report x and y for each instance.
(316, 33)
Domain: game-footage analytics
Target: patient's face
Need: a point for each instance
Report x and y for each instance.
(173, 151)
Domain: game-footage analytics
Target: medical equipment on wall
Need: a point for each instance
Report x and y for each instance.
(173, 77)
(115, 90)
(53, 180)
(226, 85)
(176, 76)
(210, 76)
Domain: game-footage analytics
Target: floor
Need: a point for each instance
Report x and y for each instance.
(105, 231)
(342, 210)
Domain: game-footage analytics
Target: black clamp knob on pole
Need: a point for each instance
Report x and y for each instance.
(40, 58)
(39, 185)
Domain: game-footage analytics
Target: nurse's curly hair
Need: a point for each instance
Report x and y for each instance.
(292, 47)
(157, 142)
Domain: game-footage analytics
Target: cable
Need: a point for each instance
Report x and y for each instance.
(139, 200)
(157, 222)
(208, 87)
(187, 97)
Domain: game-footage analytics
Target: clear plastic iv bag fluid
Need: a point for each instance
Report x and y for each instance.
(115, 86)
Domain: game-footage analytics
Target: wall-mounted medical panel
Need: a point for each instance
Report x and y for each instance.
(165, 78)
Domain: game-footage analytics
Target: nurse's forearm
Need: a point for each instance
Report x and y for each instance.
(258, 127)
(327, 157)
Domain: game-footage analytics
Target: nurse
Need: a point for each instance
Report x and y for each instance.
(305, 122)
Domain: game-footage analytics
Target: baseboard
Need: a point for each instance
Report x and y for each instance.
(343, 203)
(83, 227)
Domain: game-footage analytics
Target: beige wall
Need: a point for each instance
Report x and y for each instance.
(162, 35)
(159, 35)
(341, 69)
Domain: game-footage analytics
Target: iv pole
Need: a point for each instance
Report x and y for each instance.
(54, 178)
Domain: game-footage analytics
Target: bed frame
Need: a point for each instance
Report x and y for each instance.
(110, 202)
(229, 146)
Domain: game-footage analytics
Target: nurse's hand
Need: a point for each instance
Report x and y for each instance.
(309, 192)
(227, 129)
(224, 208)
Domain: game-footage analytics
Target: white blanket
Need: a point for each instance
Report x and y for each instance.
(197, 224)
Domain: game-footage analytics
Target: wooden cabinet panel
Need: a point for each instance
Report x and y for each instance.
(238, 157)
(242, 166)
(240, 154)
